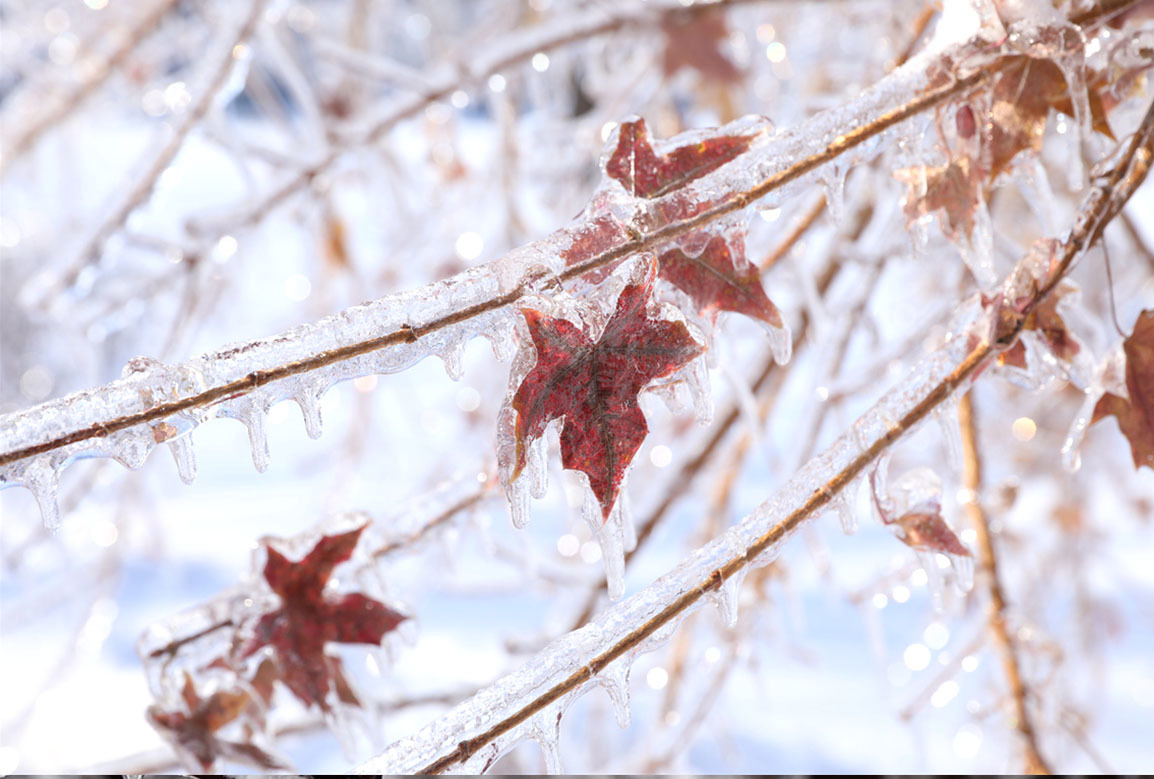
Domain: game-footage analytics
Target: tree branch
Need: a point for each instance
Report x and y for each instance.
(988, 560)
(426, 314)
(626, 629)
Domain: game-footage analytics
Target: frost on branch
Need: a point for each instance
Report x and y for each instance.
(592, 384)
(1135, 414)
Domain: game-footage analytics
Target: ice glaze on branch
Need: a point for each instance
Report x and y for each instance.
(400, 321)
(507, 709)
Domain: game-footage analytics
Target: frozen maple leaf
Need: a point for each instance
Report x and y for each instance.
(309, 617)
(951, 189)
(594, 386)
(194, 730)
(694, 41)
(1136, 415)
(642, 172)
(590, 239)
(925, 528)
(1048, 323)
(720, 279)
(1025, 91)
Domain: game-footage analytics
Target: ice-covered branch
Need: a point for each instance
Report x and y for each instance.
(156, 404)
(529, 703)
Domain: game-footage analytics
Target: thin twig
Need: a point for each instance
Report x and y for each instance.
(59, 106)
(988, 562)
(145, 181)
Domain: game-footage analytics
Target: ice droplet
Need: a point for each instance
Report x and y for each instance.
(1072, 447)
(846, 514)
(727, 597)
(309, 400)
(780, 343)
(611, 537)
(251, 411)
(184, 456)
(536, 471)
(453, 358)
(41, 478)
(697, 379)
(963, 566)
(545, 730)
(832, 178)
(947, 416)
(615, 681)
(517, 492)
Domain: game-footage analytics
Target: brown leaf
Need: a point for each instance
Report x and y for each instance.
(694, 41)
(928, 530)
(1136, 415)
(951, 189)
(1024, 92)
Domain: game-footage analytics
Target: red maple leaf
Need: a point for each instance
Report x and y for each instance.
(309, 617)
(720, 279)
(642, 172)
(1136, 415)
(194, 731)
(594, 386)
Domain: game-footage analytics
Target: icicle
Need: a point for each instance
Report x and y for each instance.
(545, 730)
(947, 417)
(309, 400)
(628, 529)
(728, 596)
(453, 357)
(780, 343)
(879, 477)
(610, 535)
(615, 681)
(1071, 448)
(536, 471)
(963, 566)
(184, 456)
(518, 494)
(846, 514)
(978, 250)
(833, 179)
(41, 478)
(132, 448)
(697, 379)
(253, 414)
(933, 578)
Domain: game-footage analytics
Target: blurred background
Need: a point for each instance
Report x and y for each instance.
(180, 175)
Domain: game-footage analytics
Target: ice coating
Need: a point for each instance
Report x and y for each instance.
(429, 315)
(611, 639)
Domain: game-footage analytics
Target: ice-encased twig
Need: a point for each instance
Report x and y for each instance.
(393, 332)
(475, 733)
